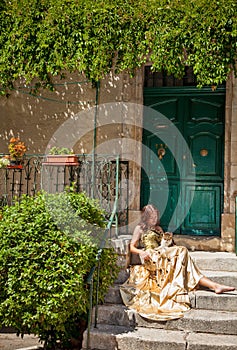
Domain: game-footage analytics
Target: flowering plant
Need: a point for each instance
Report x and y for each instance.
(16, 148)
(4, 162)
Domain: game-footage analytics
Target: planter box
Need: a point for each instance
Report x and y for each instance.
(15, 166)
(58, 159)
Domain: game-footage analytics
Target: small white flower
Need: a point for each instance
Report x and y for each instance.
(4, 162)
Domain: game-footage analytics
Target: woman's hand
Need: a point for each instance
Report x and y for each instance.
(144, 255)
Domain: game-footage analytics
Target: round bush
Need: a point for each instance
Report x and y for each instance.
(48, 244)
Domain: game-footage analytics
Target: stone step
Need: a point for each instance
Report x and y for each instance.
(212, 261)
(103, 337)
(228, 278)
(214, 316)
(206, 321)
(113, 296)
(223, 277)
(122, 276)
(215, 261)
(200, 299)
(106, 337)
(208, 300)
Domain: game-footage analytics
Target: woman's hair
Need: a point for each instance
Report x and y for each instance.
(146, 212)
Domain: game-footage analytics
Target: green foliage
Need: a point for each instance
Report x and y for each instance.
(43, 268)
(41, 39)
(60, 150)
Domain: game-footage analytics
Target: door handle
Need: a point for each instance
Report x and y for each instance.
(203, 152)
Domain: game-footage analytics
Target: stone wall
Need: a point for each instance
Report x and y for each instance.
(230, 169)
(68, 116)
(34, 116)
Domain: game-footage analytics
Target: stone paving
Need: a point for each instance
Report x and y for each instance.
(10, 341)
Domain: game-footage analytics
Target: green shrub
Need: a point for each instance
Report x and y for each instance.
(48, 244)
(60, 150)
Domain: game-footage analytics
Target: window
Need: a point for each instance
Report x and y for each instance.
(161, 79)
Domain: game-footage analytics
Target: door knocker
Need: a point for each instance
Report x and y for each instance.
(161, 150)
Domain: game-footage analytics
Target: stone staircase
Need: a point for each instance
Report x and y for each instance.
(211, 324)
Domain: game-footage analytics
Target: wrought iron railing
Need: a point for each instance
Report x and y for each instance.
(96, 269)
(103, 177)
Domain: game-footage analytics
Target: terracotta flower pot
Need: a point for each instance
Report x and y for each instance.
(58, 159)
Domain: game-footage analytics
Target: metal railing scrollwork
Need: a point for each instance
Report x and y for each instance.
(103, 177)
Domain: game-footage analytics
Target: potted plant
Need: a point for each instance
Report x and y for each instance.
(61, 156)
(4, 162)
(17, 150)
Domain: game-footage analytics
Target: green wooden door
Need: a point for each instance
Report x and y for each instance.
(191, 197)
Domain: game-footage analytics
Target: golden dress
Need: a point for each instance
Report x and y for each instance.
(158, 289)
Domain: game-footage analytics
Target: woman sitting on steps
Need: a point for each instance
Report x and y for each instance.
(158, 288)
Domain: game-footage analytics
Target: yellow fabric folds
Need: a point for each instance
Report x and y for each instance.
(158, 289)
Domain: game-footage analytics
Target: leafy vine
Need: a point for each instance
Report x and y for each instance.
(41, 39)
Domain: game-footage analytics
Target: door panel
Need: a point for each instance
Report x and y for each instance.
(206, 150)
(204, 214)
(199, 116)
(160, 168)
(201, 110)
(169, 107)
